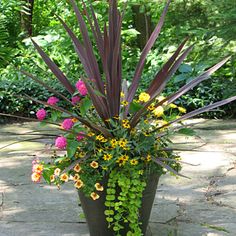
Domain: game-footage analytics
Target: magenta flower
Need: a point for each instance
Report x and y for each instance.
(67, 124)
(61, 142)
(75, 99)
(41, 114)
(80, 136)
(80, 85)
(52, 101)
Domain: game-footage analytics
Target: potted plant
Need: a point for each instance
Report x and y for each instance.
(113, 143)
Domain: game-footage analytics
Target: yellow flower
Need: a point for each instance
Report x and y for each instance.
(159, 111)
(122, 94)
(90, 134)
(148, 158)
(94, 164)
(100, 137)
(133, 162)
(57, 171)
(125, 124)
(77, 168)
(76, 177)
(125, 157)
(82, 154)
(151, 107)
(64, 177)
(172, 105)
(182, 110)
(99, 187)
(107, 157)
(52, 178)
(123, 142)
(35, 177)
(79, 184)
(113, 142)
(124, 103)
(104, 140)
(144, 97)
(94, 196)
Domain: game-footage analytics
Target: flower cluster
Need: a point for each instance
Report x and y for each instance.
(90, 155)
(37, 170)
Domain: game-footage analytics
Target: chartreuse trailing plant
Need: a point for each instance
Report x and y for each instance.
(108, 131)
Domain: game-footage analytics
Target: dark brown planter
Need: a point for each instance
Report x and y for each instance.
(94, 210)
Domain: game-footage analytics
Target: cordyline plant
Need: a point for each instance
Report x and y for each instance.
(110, 130)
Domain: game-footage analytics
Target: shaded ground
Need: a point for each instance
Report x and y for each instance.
(204, 205)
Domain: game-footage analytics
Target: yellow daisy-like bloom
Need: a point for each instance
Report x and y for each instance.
(57, 171)
(79, 184)
(107, 157)
(94, 164)
(143, 97)
(113, 142)
(90, 134)
(76, 177)
(116, 117)
(35, 177)
(124, 103)
(133, 162)
(159, 111)
(151, 107)
(172, 105)
(182, 109)
(125, 157)
(125, 124)
(100, 137)
(77, 168)
(104, 140)
(52, 178)
(121, 161)
(148, 158)
(99, 187)
(122, 142)
(94, 196)
(64, 177)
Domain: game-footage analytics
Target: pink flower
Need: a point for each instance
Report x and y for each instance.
(52, 101)
(80, 136)
(75, 99)
(67, 124)
(41, 114)
(80, 85)
(61, 142)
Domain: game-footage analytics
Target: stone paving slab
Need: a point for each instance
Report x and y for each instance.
(204, 205)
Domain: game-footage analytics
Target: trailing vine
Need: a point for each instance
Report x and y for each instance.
(123, 201)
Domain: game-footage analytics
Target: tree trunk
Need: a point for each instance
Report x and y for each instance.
(27, 18)
(143, 24)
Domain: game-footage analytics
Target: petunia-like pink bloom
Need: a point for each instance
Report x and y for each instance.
(67, 124)
(61, 142)
(80, 136)
(52, 101)
(75, 99)
(80, 85)
(41, 114)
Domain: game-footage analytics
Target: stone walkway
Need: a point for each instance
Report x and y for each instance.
(203, 205)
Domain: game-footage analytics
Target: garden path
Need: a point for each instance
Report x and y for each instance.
(204, 205)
